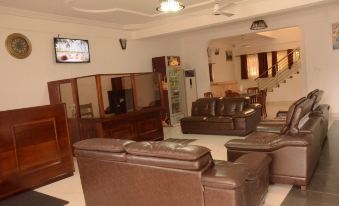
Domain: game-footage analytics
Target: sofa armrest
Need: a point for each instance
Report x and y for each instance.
(268, 142)
(224, 175)
(245, 113)
(274, 126)
(255, 106)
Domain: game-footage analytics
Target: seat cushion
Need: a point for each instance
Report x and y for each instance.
(193, 119)
(220, 119)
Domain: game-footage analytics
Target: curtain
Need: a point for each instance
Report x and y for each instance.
(252, 66)
(290, 58)
(210, 69)
(263, 65)
(274, 63)
(244, 73)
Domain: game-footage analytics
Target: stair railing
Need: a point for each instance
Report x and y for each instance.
(264, 81)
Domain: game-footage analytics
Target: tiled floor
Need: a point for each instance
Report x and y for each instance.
(70, 188)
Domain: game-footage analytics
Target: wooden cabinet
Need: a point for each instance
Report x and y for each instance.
(34, 148)
(124, 106)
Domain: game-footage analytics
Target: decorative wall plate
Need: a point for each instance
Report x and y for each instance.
(18, 45)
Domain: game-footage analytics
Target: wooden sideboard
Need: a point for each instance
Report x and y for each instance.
(125, 106)
(138, 126)
(34, 148)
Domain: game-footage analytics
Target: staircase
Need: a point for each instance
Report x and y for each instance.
(283, 73)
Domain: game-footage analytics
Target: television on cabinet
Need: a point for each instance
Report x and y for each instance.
(71, 50)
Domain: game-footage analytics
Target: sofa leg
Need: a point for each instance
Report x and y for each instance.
(303, 188)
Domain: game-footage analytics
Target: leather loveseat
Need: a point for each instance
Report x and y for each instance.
(222, 116)
(127, 173)
(295, 149)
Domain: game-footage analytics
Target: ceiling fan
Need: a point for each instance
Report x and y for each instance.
(219, 7)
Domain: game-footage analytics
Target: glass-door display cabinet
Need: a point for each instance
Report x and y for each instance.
(172, 88)
(123, 106)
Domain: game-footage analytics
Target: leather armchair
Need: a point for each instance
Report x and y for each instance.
(222, 116)
(122, 172)
(295, 150)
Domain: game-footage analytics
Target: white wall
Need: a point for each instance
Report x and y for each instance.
(24, 82)
(319, 61)
(222, 70)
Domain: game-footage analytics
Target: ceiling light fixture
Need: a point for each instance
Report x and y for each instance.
(170, 6)
(258, 25)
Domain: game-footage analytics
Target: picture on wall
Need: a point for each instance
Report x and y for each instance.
(335, 35)
(229, 55)
(71, 50)
(216, 52)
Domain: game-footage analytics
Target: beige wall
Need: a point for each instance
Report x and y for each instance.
(24, 82)
(319, 61)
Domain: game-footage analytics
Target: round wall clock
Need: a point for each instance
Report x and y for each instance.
(18, 46)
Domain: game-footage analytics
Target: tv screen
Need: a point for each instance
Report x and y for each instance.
(71, 50)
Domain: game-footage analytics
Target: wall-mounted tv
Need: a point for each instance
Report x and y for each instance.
(71, 50)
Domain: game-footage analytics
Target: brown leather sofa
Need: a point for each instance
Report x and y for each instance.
(222, 116)
(127, 173)
(295, 149)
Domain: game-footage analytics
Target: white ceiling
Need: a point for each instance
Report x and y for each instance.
(286, 35)
(141, 17)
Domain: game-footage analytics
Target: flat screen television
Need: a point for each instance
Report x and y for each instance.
(71, 50)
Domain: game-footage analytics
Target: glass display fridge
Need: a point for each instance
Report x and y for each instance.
(172, 88)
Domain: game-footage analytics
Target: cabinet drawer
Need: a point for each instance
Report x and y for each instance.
(122, 131)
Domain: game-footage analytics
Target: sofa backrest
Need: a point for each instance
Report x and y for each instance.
(152, 173)
(204, 107)
(316, 95)
(169, 155)
(290, 113)
(229, 106)
(300, 115)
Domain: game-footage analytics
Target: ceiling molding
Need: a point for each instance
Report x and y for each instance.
(57, 18)
(70, 3)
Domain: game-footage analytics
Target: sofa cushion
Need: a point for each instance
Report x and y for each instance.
(220, 119)
(103, 145)
(225, 175)
(194, 119)
(167, 150)
(229, 106)
(255, 163)
(204, 107)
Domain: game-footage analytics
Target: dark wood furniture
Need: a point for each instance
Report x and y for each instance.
(124, 106)
(34, 148)
(208, 94)
(262, 100)
(255, 91)
(230, 93)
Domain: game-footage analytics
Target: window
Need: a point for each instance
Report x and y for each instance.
(252, 66)
(280, 56)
